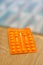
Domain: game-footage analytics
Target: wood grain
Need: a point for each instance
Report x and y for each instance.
(20, 59)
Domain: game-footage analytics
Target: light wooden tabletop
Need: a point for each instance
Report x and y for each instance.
(20, 59)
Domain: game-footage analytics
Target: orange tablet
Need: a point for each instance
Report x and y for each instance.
(21, 41)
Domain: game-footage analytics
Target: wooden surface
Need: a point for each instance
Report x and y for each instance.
(20, 59)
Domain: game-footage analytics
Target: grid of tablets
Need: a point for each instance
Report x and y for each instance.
(21, 41)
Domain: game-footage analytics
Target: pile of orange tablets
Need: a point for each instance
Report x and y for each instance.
(21, 41)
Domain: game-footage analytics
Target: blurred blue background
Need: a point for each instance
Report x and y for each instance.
(22, 13)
